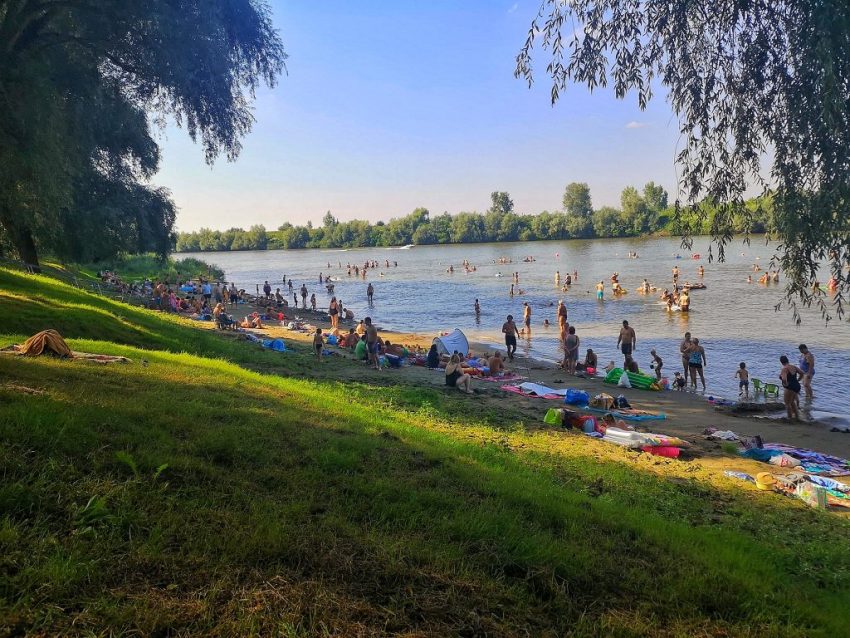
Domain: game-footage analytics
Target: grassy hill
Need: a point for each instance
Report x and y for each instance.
(209, 488)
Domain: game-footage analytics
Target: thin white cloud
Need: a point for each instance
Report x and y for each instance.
(514, 7)
(634, 124)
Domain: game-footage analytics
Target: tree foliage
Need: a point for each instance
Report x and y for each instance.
(81, 84)
(762, 92)
(640, 215)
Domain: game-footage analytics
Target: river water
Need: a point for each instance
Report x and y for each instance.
(734, 320)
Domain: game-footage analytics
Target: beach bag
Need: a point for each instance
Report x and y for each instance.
(576, 397)
(553, 416)
(332, 340)
(624, 381)
(622, 403)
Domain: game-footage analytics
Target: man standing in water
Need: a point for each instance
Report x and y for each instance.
(600, 290)
(562, 317)
(510, 331)
(372, 343)
(807, 367)
(477, 309)
(370, 292)
(627, 339)
(526, 316)
(304, 296)
(684, 350)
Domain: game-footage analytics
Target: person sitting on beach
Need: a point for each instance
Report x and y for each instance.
(590, 360)
(361, 328)
(393, 349)
(349, 315)
(678, 381)
(350, 340)
(456, 377)
(432, 362)
(496, 364)
(631, 365)
(252, 321)
(361, 349)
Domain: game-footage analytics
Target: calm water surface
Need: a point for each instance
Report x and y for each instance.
(734, 320)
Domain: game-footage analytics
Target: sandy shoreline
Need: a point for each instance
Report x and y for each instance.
(688, 414)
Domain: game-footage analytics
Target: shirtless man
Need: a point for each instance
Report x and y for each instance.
(370, 292)
(510, 331)
(496, 364)
(627, 340)
(600, 290)
(526, 316)
(557, 279)
(657, 363)
(807, 367)
(372, 345)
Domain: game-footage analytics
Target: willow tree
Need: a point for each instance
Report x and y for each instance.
(762, 92)
(82, 84)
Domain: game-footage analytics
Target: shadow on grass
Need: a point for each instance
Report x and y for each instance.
(319, 511)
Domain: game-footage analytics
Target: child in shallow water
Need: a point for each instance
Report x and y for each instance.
(679, 381)
(743, 380)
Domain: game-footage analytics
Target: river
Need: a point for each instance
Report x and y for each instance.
(734, 320)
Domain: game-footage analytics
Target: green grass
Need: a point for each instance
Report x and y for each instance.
(215, 491)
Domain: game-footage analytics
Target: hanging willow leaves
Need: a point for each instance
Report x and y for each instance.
(762, 92)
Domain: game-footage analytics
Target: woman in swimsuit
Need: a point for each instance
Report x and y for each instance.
(790, 376)
(456, 377)
(696, 362)
(333, 311)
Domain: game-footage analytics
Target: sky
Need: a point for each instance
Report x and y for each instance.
(387, 107)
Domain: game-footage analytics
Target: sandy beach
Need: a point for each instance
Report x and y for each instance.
(688, 413)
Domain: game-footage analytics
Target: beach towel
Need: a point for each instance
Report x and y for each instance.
(630, 415)
(510, 376)
(518, 390)
(542, 390)
(813, 462)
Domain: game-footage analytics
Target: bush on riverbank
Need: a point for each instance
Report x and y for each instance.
(219, 493)
(131, 267)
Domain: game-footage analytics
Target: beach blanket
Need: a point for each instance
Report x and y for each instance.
(813, 462)
(51, 342)
(535, 391)
(630, 415)
(510, 376)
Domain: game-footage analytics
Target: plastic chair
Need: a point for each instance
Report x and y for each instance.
(771, 389)
(758, 386)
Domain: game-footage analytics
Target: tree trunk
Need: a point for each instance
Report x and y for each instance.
(22, 240)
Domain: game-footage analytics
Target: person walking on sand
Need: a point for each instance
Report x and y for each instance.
(790, 376)
(370, 292)
(807, 367)
(372, 344)
(684, 350)
(333, 311)
(510, 331)
(627, 340)
(696, 363)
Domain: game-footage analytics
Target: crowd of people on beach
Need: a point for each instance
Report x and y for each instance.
(203, 299)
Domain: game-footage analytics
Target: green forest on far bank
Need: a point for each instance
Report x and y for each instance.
(643, 212)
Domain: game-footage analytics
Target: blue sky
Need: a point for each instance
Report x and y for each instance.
(390, 106)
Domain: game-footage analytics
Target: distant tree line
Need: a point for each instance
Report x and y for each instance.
(641, 212)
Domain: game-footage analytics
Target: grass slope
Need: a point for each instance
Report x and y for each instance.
(204, 495)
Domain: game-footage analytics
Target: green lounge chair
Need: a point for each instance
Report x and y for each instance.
(771, 389)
